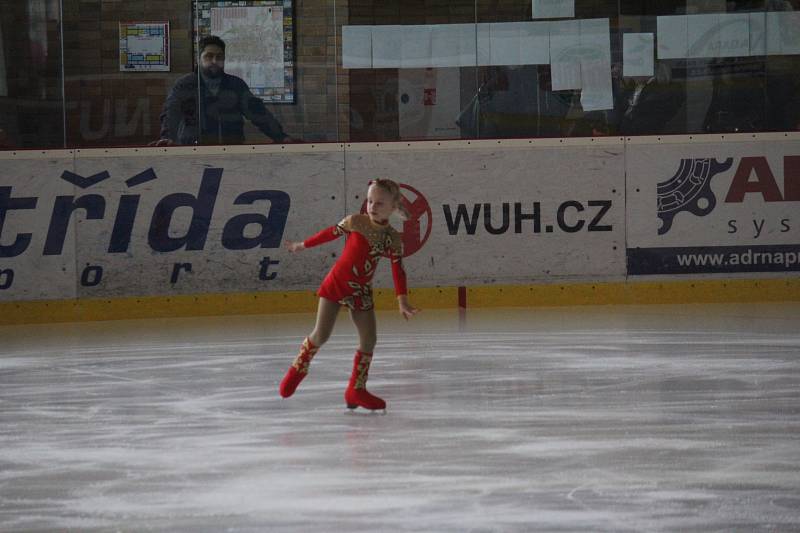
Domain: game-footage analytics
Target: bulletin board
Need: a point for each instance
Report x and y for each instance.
(143, 46)
(259, 40)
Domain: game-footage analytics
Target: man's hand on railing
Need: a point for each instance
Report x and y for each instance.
(162, 142)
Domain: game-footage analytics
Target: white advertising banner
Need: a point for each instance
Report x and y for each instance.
(184, 221)
(520, 213)
(34, 264)
(148, 223)
(713, 207)
(138, 222)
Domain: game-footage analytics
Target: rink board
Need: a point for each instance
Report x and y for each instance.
(713, 205)
(198, 230)
(183, 221)
(514, 212)
(29, 185)
(426, 298)
(155, 223)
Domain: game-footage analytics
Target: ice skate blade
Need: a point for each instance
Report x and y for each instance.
(351, 409)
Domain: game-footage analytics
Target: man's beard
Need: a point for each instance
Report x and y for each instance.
(212, 72)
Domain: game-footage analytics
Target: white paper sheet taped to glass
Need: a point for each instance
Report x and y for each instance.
(529, 42)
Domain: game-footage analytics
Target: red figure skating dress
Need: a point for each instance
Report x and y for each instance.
(349, 280)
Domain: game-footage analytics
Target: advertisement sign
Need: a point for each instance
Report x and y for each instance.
(108, 225)
(147, 222)
(183, 220)
(520, 213)
(28, 189)
(715, 207)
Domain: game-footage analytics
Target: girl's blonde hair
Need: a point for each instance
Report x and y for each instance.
(394, 189)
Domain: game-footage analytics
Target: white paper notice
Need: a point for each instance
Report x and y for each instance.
(788, 23)
(387, 46)
(444, 45)
(758, 34)
(734, 35)
(534, 43)
(595, 61)
(357, 46)
(504, 43)
(552, 9)
(596, 93)
(452, 45)
(484, 44)
(595, 38)
(637, 54)
(672, 37)
(702, 36)
(468, 45)
(416, 47)
(565, 49)
(773, 34)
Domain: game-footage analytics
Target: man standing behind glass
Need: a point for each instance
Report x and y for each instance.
(224, 98)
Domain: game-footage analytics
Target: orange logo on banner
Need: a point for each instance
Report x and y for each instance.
(421, 216)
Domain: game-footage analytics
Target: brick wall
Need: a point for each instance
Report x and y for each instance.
(106, 107)
(314, 117)
(31, 112)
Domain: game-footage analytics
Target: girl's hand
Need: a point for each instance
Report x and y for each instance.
(406, 309)
(294, 246)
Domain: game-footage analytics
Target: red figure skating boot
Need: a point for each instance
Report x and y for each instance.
(356, 394)
(298, 369)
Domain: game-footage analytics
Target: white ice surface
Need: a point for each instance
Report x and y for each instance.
(656, 418)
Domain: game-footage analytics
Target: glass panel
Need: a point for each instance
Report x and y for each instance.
(782, 67)
(654, 93)
(425, 70)
(408, 70)
(516, 96)
(123, 61)
(720, 67)
(727, 86)
(554, 68)
(275, 80)
(31, 102)
(117, 71)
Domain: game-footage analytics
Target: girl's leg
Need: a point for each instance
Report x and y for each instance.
(327, 311)
(367, 329)
(356, 394)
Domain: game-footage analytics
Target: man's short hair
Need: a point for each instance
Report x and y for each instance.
(209, 40)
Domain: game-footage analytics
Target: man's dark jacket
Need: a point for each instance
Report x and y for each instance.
(220, 120)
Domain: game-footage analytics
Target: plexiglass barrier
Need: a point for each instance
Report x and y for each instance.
(79, 74)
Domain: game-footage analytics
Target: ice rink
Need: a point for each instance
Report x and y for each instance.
(650, 418)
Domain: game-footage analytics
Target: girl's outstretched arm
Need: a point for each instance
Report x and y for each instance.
(406, 309)
(294, 246)
(326, 235)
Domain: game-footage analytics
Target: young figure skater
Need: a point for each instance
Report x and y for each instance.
(348, 283)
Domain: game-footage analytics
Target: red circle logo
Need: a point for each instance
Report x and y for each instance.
(417, 228)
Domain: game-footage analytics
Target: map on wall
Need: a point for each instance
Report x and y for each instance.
(143, 46)
(259, 43)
